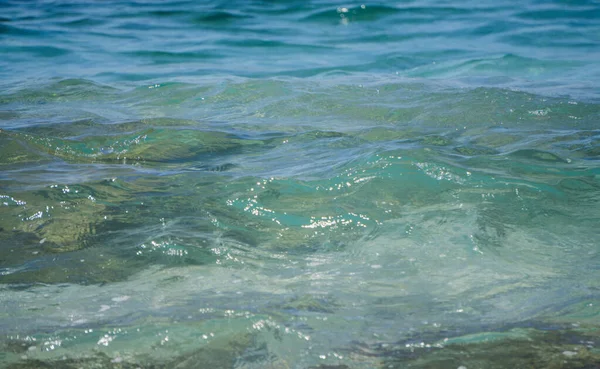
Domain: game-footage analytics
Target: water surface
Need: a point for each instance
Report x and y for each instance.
(299, 184)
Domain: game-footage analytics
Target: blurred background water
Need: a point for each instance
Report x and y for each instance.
(299, 184)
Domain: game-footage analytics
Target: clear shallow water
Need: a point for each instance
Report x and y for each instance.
(299, 185)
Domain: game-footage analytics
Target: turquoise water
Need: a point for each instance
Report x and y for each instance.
(299, 184)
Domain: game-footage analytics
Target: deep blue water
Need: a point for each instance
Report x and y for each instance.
(299, 184)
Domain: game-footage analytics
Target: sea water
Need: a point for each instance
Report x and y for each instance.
(299, 184)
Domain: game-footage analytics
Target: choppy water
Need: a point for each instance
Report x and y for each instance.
(299, 184)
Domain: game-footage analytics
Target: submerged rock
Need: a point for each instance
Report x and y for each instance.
(537, 349)
(538, 155)
(219, 353)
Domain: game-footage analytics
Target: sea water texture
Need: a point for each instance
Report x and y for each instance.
(300, 184)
